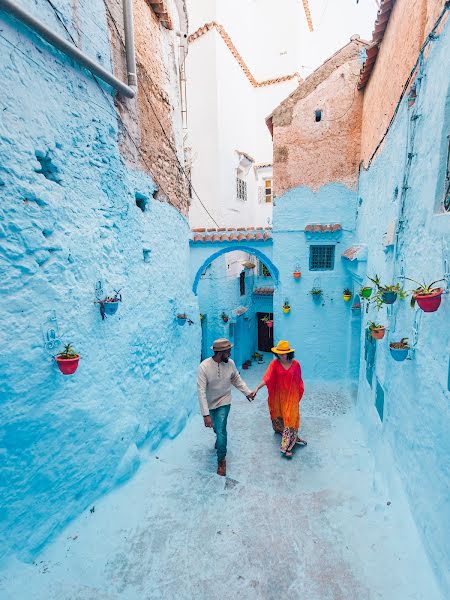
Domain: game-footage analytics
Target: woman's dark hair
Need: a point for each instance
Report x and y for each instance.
(290, 355)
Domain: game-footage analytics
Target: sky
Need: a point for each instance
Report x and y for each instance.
(273, 36)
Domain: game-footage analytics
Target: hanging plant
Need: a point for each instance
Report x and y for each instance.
(67, 360)
(347, 294)
(202, 316)
(366, 292)
(286, 308)
(224, 317)
(427, 297)
(182, 319)
(386, 294)
(110, 304)
(267, 320)
(399, 350)
(377, 331)
(316, 293)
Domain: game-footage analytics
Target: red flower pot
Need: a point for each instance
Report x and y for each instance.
(269, 324)
(67, 366)
(429, 302)
(297, 274)
(378, 334)
(245, 366)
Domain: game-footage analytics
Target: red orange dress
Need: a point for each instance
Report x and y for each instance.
(285, 392)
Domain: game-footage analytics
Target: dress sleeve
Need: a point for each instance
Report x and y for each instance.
(270, 376)
(301, 385)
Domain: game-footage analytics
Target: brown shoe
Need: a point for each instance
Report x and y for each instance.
(222, 467)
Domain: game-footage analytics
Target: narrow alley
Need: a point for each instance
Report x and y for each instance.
(320, 526)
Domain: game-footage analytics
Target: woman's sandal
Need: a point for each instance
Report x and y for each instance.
(288, 454)
(301, 442)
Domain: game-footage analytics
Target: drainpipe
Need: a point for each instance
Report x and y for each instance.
(129, 43)
(66, 47)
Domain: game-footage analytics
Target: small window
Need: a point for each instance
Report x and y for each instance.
(318, 115)
(321, 258)
(263, 271)
(241, 189)
(242, 283)
(268, 190)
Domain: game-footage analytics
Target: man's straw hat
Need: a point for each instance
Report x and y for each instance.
(282, 347)
(221, 344)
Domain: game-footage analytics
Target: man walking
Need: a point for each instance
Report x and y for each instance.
(215, 377)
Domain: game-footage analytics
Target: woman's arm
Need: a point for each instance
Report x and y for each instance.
(261, 385)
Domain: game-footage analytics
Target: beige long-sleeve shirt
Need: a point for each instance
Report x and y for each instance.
(214, 381)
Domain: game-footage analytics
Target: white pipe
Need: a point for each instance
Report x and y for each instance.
(66, 47)
(129, 42)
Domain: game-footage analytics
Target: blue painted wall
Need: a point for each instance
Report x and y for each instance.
(321, 332)
(414, 435)
(66, 440)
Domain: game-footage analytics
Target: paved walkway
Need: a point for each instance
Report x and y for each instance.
(320, 526)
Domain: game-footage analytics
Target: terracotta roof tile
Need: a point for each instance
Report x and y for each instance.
(231, 234)
(356, 252)
(318, 228)
(263, 291)
(232, 48)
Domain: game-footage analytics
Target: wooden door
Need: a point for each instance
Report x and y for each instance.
(265, 334)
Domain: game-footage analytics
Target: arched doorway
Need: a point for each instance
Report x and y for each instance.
(235, 288)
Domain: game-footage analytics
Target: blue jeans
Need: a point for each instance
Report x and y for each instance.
(219, 417)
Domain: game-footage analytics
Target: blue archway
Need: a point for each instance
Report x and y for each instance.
(243, 247)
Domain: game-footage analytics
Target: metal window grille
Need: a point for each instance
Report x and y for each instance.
(321, 258)
(241, 189)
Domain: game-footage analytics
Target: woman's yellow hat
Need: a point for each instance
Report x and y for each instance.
(283, 347)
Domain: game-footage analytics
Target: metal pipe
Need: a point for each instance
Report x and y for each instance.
(65, 47)
(129, 42)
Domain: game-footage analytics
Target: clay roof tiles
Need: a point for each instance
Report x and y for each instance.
(318, 228)
(231, 234)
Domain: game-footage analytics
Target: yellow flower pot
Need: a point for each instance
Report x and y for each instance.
(286, 309)
(347, 297)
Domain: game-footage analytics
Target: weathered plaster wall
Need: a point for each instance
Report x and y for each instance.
(416, 423)
(313, 153)
(320, 331)
(155, 120)
(67, 222)
(409, 24)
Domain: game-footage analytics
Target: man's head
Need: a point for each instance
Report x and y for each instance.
(222, 350)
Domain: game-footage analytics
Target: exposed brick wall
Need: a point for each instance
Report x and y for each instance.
(313, 153)
(409, 24)
(157, 106)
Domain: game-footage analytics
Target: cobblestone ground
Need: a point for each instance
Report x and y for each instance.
(321, 526)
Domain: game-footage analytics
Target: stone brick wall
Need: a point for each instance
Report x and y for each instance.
(313, 153)
(154, 118)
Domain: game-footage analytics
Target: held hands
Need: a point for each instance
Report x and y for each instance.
(251, 396)
(207, 421)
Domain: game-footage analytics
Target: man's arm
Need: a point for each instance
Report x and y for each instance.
(202, 400)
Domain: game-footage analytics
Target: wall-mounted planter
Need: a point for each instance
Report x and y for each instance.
(111, 307)
(389, 297)
(245, 366)
(429, 302)
(399, 354)
(68, 360)
(356, 306)
(182, 319)
(378, 332)
(347, 297)
(297, 274)
(269, 324)
(366, 292)
(286, 309)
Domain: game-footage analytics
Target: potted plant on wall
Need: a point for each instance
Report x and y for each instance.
(224, 317)
(365, 292)
(377, 331)
(347, 294)
(267, 320)
(67, 360)
(110, 304)
(286, 308)
(399, 350)
(182, 319)
(297, 272)
(427, 297)
(316, 293)
(386, 294)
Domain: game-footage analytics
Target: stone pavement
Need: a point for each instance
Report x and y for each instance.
(322, 526)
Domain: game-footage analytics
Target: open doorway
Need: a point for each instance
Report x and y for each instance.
(265, 333)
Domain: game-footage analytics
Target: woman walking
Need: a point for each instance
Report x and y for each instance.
(283, 379)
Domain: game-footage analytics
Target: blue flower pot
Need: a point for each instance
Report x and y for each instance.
(111, 307)
(181, 321)
(389, 297)
(399, 354)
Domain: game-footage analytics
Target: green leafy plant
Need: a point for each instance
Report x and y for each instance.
(286, 304)
(401, 345)
(373, 325)
(423, 289)
(265, 318)
(68, 352)
(315, 291)
(116, 298)
(224, 317)
(381, 289)
(347, 292)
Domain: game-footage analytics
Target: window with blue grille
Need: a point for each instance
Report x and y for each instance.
(321, 258)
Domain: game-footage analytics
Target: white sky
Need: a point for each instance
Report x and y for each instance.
(273, 37)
